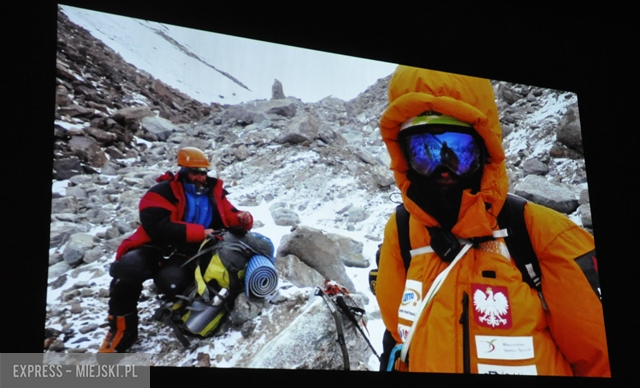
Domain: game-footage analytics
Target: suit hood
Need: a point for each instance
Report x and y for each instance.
(413, 91)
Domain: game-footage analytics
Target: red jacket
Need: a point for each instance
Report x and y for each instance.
(162, 210)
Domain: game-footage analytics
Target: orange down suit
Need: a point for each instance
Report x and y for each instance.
(567, 339)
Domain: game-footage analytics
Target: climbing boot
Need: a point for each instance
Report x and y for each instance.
(123, 332)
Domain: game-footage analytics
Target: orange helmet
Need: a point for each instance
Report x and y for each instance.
(193, 158)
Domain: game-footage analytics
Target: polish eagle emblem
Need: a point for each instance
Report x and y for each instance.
(491, 306)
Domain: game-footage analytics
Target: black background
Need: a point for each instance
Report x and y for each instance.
(590, 51)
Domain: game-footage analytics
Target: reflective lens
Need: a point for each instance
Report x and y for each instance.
(459, 152)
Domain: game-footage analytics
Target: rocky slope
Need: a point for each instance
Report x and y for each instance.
(313, 167)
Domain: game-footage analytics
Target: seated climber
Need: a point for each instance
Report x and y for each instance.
(177, 215)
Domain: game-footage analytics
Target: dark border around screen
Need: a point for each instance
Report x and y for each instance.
(587, 51)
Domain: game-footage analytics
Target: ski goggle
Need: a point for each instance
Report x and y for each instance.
(428, 148)
(198, 171)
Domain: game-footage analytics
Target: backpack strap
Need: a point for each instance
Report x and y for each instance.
(402, 224)
(518, 242)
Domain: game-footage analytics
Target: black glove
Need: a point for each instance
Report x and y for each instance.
(237, 231)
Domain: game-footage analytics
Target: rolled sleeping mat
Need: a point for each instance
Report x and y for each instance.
(261, 278)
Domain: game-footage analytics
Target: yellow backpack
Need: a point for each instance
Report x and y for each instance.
(218, 280)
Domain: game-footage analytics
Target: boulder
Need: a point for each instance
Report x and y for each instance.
(350, 251)
(357, 214)
(569, 132)
(314, 330)
(285, 217)
(301, 129)
(508, 94)
(534, 166)
(60, 231)
(93, 254)
(103, 137)
(557, 196)
(245, 309)
(276, 90)
(87, 148)
(257, 111)
(363, 154)
(314, 248)
(67, 204)
(241, 153)
(161, 128)
(382, 176)
(298, 273)
(78, 245)
(75, 110)
(585, 215)
(131, 114)
(330, 136)
(65, 168)
(584, 197)
(57, 270)
(75, 191)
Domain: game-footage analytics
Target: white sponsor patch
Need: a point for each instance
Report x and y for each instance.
(507, 370)
(496, 347)
(403, 330)
(411, 298)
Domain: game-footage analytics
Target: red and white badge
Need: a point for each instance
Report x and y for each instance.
(491, 306)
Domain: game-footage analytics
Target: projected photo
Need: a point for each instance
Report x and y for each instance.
(231, 203)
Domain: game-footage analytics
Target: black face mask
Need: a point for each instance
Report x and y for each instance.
(441, 201)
